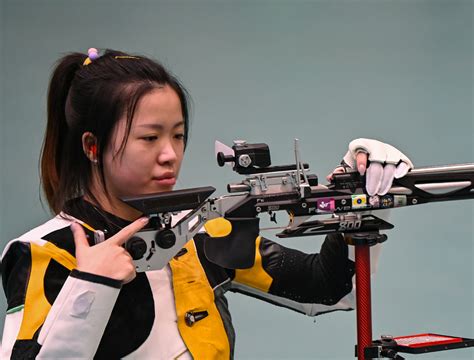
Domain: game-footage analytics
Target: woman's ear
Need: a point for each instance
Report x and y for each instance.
(89, 146)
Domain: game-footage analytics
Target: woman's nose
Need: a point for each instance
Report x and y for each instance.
(167, 153)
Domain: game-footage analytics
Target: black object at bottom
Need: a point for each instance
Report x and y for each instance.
(368, 238)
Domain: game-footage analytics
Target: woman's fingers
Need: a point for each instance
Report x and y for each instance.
(379, 178)
(338, 170)
(108, 258)
(402, 170)
(387, 179)
(80, 239)
(373, 178)
(128, 231)
(132, 275)
(361, 162)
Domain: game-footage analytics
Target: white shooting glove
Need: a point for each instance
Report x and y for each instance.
(386, 163)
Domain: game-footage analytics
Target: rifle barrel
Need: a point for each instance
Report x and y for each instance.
(442, 169)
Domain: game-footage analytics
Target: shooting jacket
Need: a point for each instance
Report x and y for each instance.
(55, 311)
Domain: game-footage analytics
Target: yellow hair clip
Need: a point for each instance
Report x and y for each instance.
(126, 57)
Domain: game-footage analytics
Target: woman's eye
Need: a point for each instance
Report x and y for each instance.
(149, 138)
(179, 136)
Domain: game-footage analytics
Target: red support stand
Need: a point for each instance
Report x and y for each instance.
(387, 346)
(363, 299)
(362, 243)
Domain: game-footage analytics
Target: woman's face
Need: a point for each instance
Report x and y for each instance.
(151, 159)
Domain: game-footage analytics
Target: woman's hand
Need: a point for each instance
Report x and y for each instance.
(108, 258)
(386, 163)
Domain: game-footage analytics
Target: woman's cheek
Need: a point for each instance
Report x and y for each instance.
(130, 173)
(136, 174)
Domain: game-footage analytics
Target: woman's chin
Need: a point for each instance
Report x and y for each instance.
(159, 189)
(149, 190)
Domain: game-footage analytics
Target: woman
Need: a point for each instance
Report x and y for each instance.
(117, 126)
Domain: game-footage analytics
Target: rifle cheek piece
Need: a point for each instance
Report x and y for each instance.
(231, 242)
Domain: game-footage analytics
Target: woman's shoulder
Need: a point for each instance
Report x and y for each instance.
(43, 255)
(41, 233)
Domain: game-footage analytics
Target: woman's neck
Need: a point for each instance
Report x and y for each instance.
(111, 203)
(114, 206)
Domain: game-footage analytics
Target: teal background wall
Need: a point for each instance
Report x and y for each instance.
(268, 71)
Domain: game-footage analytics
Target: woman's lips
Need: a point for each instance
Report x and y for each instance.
(165, 181)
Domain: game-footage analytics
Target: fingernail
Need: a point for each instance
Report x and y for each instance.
(144, 219)
(361, 169)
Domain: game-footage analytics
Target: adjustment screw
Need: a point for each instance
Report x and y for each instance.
(136, 247)
(165, 238)
(245, 160)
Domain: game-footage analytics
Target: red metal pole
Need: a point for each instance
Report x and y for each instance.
(363, 298)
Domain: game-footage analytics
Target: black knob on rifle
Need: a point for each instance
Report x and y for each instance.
(136, 246)
(165, 238)
(222, 159)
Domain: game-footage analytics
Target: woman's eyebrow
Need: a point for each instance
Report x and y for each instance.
(156, 126)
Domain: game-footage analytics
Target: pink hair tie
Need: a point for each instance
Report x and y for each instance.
(92, 54)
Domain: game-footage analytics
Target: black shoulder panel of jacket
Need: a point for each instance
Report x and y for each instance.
(216, 275)
(54, 279)
(322, 278)
(16, 268)
(64, 239)
(25, 350)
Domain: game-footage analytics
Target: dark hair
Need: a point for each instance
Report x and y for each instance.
(93, 98)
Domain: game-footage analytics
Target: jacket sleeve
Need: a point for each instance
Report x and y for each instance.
(54, 311)
(308, 283)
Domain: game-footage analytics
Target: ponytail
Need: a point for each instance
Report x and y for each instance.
(57, 126)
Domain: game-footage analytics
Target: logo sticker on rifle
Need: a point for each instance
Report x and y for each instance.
(387, 201)
(359, 201)
(326, 204)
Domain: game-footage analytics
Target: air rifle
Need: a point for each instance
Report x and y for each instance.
(343, 203)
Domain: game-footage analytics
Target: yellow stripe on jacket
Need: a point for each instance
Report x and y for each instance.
(256, 276)
(36, 305)
(206, 338)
